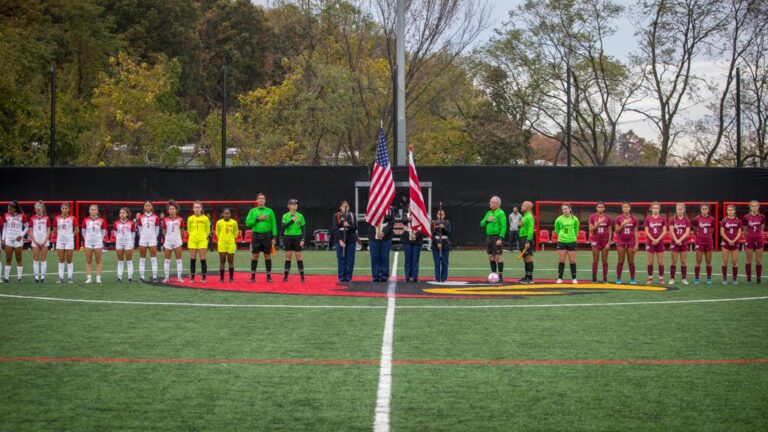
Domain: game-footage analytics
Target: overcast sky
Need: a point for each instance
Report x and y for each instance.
(620, 45)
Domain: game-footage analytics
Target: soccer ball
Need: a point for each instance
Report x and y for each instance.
(493, 278)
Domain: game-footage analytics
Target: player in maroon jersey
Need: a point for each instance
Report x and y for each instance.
(704, 227)
(600, 232)
(730, 231)
(754, 224)
(626, 244)
(655, 230)
(679, 228)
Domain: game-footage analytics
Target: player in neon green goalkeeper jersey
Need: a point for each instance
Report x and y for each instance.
(566, 228)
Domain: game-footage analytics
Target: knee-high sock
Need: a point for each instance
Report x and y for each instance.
(130, 269)
(19, 271)
(36, 269)
(697, 271)
(179, 268)
(709, 272)
(61, 270)
(500, 266)
(748, 271)
(631, 270)
(287, 268)
(672, 271)
(493, 266)
(7, 271)
(221, 272)
(204, 267)
(759, 271)
(192, 265)
(43, 268)
(142, 267)
(650, 270)
(619, 269)
(529, 270)
(119, 269)
(724, 271)
(231, 272)
(560, 270)
(300, 265)
(594, 269)
(254, 265)
(735, 271)
(154, 267)
(661, 270)
(573, 270)
(167, 268)
(684, 271)
(70, 270)
(605, 270)
(268, 264)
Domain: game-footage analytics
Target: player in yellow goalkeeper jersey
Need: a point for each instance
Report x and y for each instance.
(198, 227)
(227, 232)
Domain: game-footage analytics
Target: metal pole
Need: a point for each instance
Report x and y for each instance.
(394, 112)
(400, 82)
(738, 117)
(52, 146)
(568, 113)
(224, 119)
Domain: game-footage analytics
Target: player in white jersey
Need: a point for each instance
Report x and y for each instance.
(124, 237)
(15, 229)
(39, 233)
(173, 228)
(148, 225)
(94, 229)
(64, 231)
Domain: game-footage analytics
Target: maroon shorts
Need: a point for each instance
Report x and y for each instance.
(726, 246)
(626, 243)
(705, 247)
(651, 248)
(755, 243)
(599, 244)
(674, 247)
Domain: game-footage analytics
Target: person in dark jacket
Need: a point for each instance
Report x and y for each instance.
(412, 241)
(441, 245)
(380, 243)
(345, 237)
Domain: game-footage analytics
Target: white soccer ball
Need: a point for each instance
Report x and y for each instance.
(493, 278)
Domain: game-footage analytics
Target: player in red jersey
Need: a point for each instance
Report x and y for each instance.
(600, 234)
(39, 233)
(680, 229)
(15, 229)
(94, 229)
(124, 240)
(173, 231)
(730, 231)
(64, 229)
(148, 224)
(655, 230)
(626, 244)
(754, 224)
(704, 226)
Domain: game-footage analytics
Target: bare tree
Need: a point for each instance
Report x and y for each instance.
(672, 35)
(755, 104)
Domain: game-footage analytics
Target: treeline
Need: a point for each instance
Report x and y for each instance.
(309, 81)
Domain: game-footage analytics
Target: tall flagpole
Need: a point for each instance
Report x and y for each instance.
(400, 36)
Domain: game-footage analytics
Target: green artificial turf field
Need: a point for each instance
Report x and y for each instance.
(153, 357)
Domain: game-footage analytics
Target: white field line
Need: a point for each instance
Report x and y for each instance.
(384, 392)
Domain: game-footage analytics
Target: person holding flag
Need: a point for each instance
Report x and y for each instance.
(378, 213)
(417, 224)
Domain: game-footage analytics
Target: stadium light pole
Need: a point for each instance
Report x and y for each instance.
(568, 113)
(400, 83)
(394, 109)
(52, 146)
(224, 118)
(738, 117)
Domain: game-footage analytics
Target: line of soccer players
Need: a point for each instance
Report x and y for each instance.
(143, 232)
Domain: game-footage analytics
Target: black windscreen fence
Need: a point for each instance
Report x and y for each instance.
(464, 191)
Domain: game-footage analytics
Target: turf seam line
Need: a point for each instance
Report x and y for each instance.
(384, 392)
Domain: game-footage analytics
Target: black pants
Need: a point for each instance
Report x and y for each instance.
(513, 239)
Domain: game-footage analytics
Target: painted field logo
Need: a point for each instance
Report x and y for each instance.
(322, 285)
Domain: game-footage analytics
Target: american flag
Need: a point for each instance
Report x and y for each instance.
(382, 190)
(419, 216)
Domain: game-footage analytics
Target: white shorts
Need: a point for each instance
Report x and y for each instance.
(149, 243)
(94, 244)
(171, 245)
(125, 244)
(62, 244)
(46, 244)
(14, 243)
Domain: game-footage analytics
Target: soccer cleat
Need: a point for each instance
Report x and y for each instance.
(594, 279)
(98, 279)
(525, 281)
(42, 280)
(166, 280)
(575, 282)
(696, 281)
(671, 281)
(605, 281)
(37, 280)
(559, 281)
(285, 278)
(18, 279)
(650, 281)
(119, 280)
(302, 278)
(88, 279)
(154, 280)
(221, 279)
(618, 281)
(735, 282)
(725, 281)
(709, 281)
(202, 280)
(59, 280)
(501, 280)
(684, 281)
(253, 277)
(180, 280)
(632, 282)
(5, 280)
(71, 281)
(192, 278)
(269, 278)
(231, 280)
(141, 279)
(130, 279)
